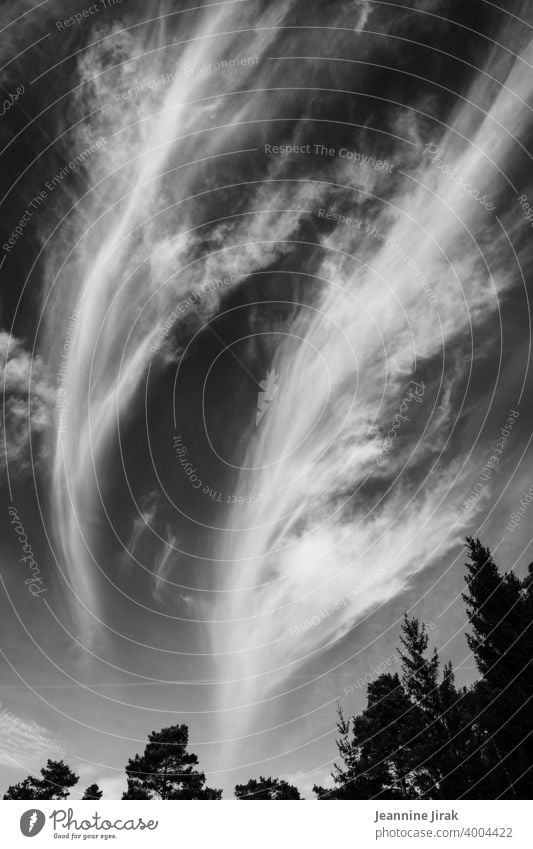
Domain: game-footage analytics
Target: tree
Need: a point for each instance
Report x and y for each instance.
(166, 769)
(448, 760)
(420, 677)
(375, 747)
(137, 791)
(92, 792)
(462, 759)
(500, 613)
(266, 788)
(30, 788)
(417, 737)
(527, 583)
(57, 779)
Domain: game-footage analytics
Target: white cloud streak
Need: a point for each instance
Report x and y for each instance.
(371, 331)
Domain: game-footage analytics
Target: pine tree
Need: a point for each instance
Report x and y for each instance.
(375, 748)
(136, 790)
(420, 678)
(29, 788)
(166, 769)
(420, 736)
(266, 788)
(500, 613)
(57, 779)
(448, 760)
(527, 583)
(92, 792)
(463, 757)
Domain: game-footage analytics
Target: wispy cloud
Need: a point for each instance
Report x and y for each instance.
(26, 744)
(395, 300)
(373, 330)
(28, 401)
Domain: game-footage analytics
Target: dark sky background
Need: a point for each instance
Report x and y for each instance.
(182, 544)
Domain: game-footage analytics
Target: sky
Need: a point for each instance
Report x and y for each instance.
(265, 341)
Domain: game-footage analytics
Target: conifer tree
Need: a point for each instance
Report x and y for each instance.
(375, 748)
(92, 792)
(166, 770)
(500, 613)
(267, 788)
(57, 779)
(447, 758)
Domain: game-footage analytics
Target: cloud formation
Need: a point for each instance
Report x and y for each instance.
(28, 401)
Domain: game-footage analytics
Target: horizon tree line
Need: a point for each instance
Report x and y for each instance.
(419, 737)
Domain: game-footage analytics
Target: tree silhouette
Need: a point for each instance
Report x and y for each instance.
(166, 769)
(92, 792)
(448, 751)
(418, 737)
(57, 779)
(374, 747)
(266, 788)
(500, 613)
(29, 788)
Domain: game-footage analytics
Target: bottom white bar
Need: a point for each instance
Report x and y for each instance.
(359, 824)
